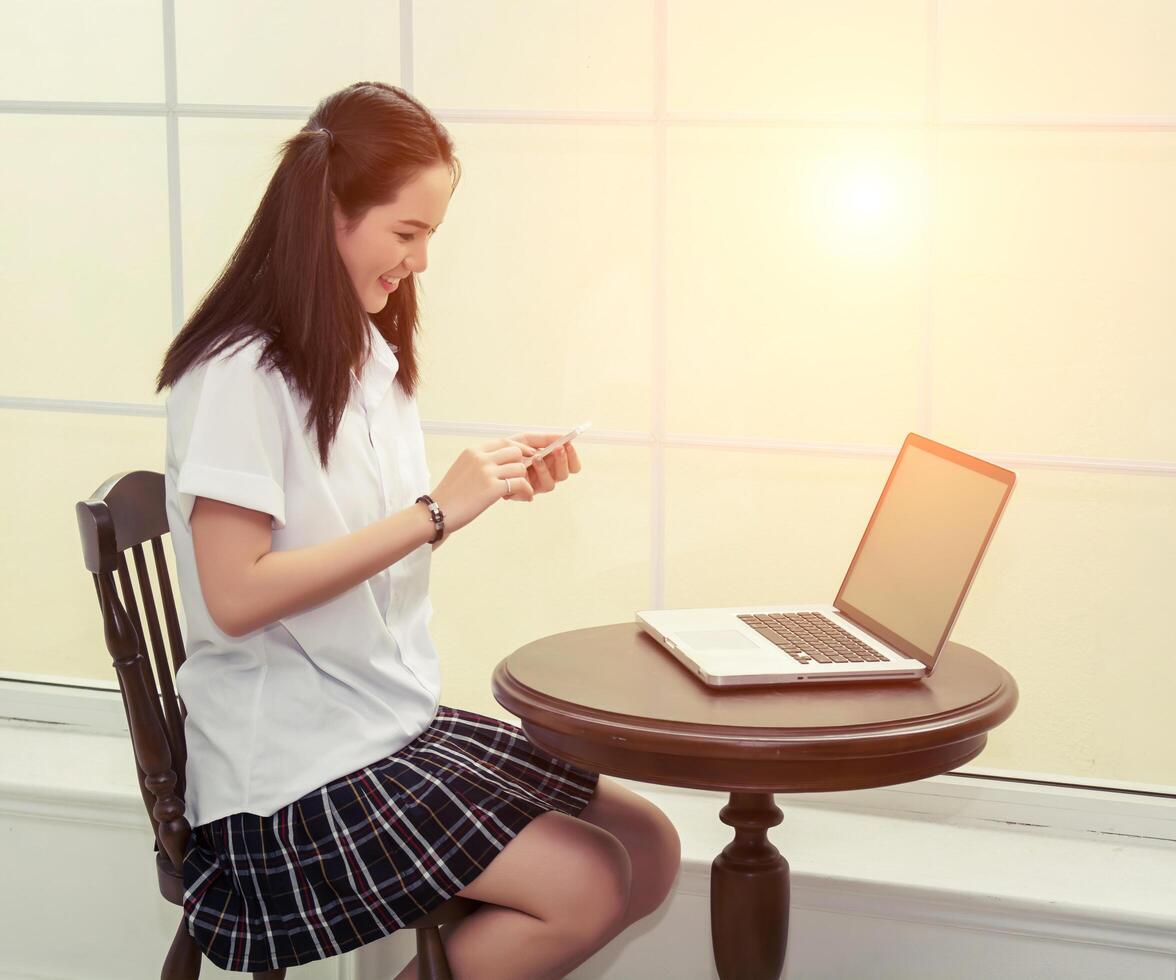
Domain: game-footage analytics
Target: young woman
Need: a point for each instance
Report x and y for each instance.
(333, 798)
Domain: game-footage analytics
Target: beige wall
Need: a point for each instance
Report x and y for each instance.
(856, 219)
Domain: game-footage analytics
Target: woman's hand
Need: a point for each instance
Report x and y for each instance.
(544, 474)
(478, 478)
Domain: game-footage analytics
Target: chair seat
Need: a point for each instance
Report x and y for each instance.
(451, 910)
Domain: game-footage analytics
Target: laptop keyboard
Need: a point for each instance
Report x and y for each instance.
(809, 636)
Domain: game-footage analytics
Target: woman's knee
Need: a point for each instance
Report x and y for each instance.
(649, 836)
(562, 870)
(598, 874)
(662, 851)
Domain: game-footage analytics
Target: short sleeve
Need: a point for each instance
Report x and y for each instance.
(235, 448)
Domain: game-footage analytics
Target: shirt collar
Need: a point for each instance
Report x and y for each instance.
(379, 371)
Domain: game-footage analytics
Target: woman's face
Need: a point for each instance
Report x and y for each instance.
(391, 240)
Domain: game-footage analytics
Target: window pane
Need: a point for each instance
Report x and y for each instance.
(282, 52)
(87, 288)
(63, 50)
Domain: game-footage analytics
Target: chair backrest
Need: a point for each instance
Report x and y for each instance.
(125, 512)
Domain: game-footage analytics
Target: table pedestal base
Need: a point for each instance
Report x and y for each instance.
(749, 893)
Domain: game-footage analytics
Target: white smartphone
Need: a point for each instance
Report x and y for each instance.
(562, 440)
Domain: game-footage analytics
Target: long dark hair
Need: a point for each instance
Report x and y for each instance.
(286, 282)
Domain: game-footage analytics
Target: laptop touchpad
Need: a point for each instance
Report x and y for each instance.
(718, 640)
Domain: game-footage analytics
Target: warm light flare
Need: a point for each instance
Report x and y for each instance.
(867, 200)
(868, 204)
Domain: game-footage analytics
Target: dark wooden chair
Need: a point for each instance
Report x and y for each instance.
(124, 513)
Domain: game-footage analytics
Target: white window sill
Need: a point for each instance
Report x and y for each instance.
(951, 868)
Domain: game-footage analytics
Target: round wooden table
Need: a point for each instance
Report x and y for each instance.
(611, 699)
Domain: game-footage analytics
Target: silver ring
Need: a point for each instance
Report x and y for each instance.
(508, 486)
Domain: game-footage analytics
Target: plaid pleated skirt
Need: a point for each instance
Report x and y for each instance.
(369, 852)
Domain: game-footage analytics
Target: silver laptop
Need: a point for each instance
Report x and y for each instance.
(898, 601)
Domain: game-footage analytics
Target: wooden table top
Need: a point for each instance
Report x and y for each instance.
(612, 699)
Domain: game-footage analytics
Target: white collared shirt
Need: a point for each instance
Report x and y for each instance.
(318, 694)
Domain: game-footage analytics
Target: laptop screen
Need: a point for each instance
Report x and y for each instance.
(924, 542)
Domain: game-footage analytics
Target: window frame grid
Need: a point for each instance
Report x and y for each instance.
(658, 440)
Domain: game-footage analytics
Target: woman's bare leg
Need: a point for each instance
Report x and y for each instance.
(655, 851)
(557, 893)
